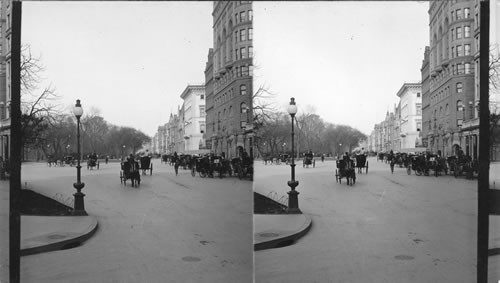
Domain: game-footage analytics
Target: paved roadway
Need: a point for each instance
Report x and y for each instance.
(171, 229)
(386, 228)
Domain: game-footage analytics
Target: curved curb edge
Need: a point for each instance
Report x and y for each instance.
(275, 243)
(61, 244)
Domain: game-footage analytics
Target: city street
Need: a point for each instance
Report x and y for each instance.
(385, 228)
(170, 229)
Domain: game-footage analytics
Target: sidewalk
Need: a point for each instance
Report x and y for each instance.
(50, 233)
(279, 230)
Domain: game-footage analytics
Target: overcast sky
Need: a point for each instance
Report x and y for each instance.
(346, 59)
(131, 60)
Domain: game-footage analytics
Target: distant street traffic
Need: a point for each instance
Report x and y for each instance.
(386, 228)
(170, 229)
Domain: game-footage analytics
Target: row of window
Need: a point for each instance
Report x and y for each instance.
(446, 92)
(223, 115)
(241, 53)
(461, 68)
(241, 35)
(459, 32)
(221, 99)
(460, 14)
(242, 16)
(460, 50)
(238, 71)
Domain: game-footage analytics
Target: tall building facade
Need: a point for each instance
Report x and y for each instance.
(452, 67)
(410, 95)
(229, 99)
(5, 59)
(193, 117)
(210, 132)
(426, 131)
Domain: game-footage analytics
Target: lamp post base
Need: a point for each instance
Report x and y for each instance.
(293, 203)
(79, 209)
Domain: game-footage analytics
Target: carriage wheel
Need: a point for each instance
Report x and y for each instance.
(418, 172)
(97, 165)
(121, 177)
(151, 169)
(336, 176)
(203, 174)
(366, 167)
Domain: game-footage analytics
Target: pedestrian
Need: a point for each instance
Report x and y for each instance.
(176, 165)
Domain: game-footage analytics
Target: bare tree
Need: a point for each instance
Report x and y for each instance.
(38, 106)
(494, 106)
(263, 106)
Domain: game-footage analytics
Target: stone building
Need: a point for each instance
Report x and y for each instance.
(193, 117)
(230, 88)
(5, 59)
(410, 120)
(449, 116)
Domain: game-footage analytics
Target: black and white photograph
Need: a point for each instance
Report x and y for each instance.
(370, 141)
(136, 142)
(250, 141)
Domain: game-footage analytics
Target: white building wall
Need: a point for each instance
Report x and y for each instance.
(411, 95)
(193, 116)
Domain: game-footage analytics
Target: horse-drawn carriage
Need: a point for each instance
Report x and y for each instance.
(308, 160)
(92, 162)
(361, 163)
(462, 165)
(203, 166)
(69, 160)
(165, 158)
(146, 164)
(130, 171)
(243, 167)
(221, 166)
(345, 169)
(437, 164)
(417, 164)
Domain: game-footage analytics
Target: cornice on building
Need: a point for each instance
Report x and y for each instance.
(408, 86)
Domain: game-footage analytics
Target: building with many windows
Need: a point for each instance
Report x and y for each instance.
(410, 119)
(451, 99)
(228, 75)
(193, 126)
(5, 59)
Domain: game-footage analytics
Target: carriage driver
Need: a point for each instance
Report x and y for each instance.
(309, 154)
(346, 156)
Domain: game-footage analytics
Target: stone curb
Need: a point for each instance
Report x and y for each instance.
(63, 244)
(285, 239)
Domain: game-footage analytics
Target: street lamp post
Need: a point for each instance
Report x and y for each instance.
(79, 205)
(293, 199)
